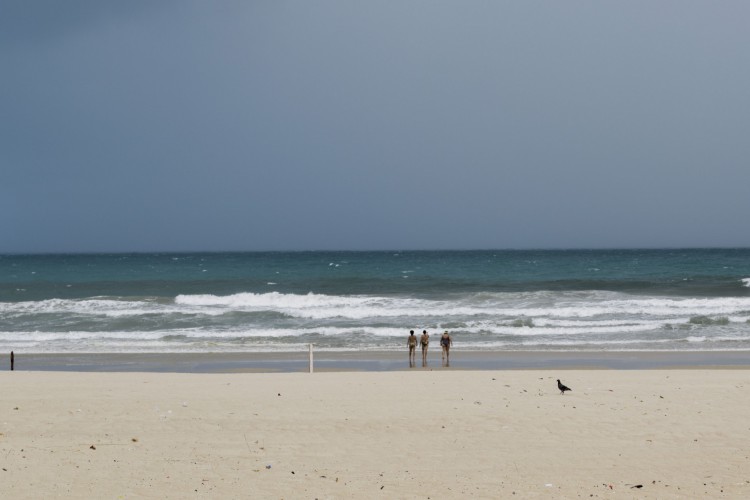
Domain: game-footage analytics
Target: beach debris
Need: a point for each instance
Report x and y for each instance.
(636, 486)
(92, 447)
(279, 394)
(15, 408)
(268, 466)
(184, 404)
(548, 485)
(135, 440)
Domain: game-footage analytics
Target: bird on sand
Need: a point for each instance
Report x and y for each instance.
(562, 387)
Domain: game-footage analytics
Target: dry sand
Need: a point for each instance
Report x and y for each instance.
(407, 434)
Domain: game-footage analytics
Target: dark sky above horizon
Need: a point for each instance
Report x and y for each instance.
(274, 125)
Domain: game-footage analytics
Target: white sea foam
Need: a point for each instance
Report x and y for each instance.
(543, 308)
(746, 281)
(130, 342)
(470, 333)
(37, 336)
(318, 306)
(603, 343)
(274, 321)
(272, 300)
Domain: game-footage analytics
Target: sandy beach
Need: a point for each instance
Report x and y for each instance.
(397, 434)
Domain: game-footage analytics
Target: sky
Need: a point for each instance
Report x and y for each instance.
(186, 125)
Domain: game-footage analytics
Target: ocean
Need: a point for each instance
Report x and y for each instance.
(509, 300)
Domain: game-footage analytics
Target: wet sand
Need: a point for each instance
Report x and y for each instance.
(378, 361)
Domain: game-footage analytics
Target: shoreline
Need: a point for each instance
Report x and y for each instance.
(376, 361)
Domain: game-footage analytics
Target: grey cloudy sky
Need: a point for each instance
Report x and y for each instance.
(241, 125)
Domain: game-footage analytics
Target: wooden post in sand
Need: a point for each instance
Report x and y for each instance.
(311, 358)
(12, 361)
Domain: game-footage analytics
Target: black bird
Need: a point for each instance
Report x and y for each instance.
(562, 387)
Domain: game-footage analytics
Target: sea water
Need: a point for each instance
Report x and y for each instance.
(600, 300)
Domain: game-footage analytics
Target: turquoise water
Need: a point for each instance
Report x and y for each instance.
(282, 301)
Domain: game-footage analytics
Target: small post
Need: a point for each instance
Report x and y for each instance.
(12, 361)
(311, 358)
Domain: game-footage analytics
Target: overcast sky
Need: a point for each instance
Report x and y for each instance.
(237, 125)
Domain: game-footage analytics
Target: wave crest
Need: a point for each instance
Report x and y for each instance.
(270, 300)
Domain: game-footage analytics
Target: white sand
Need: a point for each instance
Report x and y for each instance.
(411, 434)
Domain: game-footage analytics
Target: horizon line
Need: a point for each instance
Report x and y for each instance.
(402, 250)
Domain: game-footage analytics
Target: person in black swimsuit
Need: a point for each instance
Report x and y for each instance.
(446, 342)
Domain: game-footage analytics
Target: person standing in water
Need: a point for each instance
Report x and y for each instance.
(446, 342)
(425, 342)
(411, 341)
